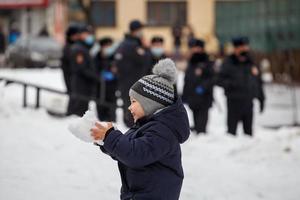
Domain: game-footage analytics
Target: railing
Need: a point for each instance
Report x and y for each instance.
(98, 101)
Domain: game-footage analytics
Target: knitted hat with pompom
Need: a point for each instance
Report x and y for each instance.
(156, 91)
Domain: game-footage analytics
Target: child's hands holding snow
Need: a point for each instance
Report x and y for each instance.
(100, 129)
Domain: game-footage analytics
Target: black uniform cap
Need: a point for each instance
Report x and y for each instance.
(157, 39)
(239, 41)
(196, 43)
(104, 41)
(72, 30)
(135, 25)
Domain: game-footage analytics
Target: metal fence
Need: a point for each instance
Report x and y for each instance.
(38, 88)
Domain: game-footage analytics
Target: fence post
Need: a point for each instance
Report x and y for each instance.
(24, 95)
(37, 105)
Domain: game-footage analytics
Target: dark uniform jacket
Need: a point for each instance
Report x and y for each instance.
(149, 155)
(66, 66)
(103, 67)
(154, 60)
(84, 76)
(198, 88)
(132, 61)
(2, 43)
(239, 81)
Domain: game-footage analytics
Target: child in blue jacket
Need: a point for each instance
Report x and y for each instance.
(149, 154)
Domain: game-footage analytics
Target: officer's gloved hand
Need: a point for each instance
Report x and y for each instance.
(107, 75)
(199, 90)
(261, 105)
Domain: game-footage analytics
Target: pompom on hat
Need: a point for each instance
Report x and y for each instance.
(156, 91)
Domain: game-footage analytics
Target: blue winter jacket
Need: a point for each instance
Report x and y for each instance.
(149, 155)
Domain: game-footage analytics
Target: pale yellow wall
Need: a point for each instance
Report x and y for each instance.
(126, 11)
(200, 17)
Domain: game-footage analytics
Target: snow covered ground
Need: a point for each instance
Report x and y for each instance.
(40, 159)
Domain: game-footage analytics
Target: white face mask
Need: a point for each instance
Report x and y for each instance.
(89, 40)
(109, 51)
(157, 51)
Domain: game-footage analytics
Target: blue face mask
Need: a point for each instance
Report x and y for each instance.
(109, 51)
(89, 40)
(157, 51)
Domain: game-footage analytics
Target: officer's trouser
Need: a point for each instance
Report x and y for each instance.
(239, 110)
(107, 112)
(79, 99)
(200, 119)
(77, 106)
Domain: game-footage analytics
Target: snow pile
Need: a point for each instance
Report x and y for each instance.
(81, 127)
(41, 159)
(223, 167)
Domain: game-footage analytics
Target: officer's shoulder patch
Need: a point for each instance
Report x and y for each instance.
(140, 51)
(118, 56)
(79, 58)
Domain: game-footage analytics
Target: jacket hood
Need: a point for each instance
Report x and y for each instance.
(175, 117)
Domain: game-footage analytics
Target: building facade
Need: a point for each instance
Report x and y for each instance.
(30, 17)
(271, 25)
(111, 18)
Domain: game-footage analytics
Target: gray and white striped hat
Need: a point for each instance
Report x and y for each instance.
(156, 91)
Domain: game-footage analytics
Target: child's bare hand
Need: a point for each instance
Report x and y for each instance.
(99, 130)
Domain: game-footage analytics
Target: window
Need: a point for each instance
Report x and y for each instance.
(166, 13)
(103, 13)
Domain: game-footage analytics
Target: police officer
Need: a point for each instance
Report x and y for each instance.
(132, 61)
(105, 66)
(157, 50)
(84, 77)
(241, 79)
(198, 84)
(71, 37)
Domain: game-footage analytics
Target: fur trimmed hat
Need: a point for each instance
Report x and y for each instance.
(156, 91)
